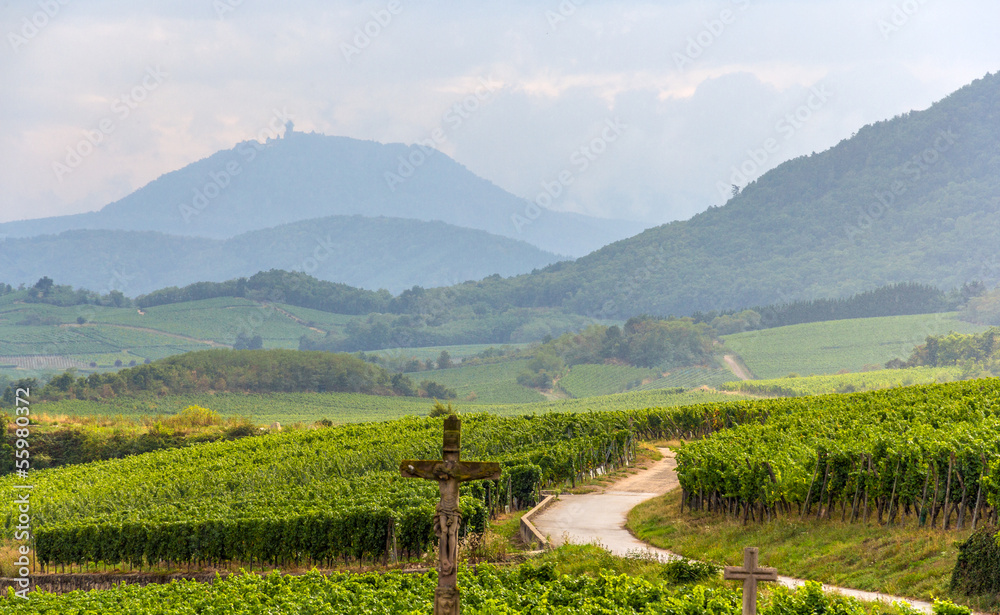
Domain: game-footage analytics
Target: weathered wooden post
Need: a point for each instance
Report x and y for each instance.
(750, 574)
(450, 472)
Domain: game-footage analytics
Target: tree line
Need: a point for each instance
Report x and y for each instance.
(644, 341)
(892, 300)
(978, 354)
(243, 371)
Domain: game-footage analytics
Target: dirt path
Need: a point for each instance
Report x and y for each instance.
(738, 369)
(295, 318)
(600, 518)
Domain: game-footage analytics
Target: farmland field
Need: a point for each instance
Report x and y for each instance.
(829, 347)
(845, 383)
(689, 378)
(457, 352)
(109, 334)
(289, 408)
(219, 320)
(495, 383)
(593, 380)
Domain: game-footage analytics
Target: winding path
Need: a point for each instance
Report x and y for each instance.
(600, 518)
(738, 369)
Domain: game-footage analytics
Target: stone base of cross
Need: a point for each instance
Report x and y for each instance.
(750, 574)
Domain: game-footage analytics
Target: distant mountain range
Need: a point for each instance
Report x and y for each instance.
(301, 176)
(911, 199)
(373, 253)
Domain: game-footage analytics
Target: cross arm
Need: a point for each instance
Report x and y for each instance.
(735, 573)
(443, 470)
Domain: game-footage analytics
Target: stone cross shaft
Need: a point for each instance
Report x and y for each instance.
(750, 574)
(449, 472)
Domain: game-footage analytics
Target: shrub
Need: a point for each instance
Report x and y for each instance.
(977, 570)
(682, 571)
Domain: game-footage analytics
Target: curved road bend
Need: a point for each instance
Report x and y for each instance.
(599, 517)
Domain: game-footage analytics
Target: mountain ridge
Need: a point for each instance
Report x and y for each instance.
(915, 198)
(303, 176)
(372, 253)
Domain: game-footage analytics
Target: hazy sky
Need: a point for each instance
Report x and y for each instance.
(643, 109)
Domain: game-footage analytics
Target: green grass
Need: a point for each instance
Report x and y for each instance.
(845, 383)
(594, 380)
(690, 378)
(495, 383)
(108, 334)
(432, 352)
(219, 320)
(289, 408)
(910, 562)
(829, 347)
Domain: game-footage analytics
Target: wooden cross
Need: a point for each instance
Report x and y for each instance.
(750, 574)
(449, 473)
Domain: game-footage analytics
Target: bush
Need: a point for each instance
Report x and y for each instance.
(681, 571)
(440, 410)
(946, 607)
(977, 570)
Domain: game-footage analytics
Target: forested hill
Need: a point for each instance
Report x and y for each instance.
(912, 199)
(373, 253)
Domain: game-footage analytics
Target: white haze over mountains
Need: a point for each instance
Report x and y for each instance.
(99, 98)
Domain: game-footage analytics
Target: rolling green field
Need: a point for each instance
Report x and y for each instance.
(689, 378)
(40, 338)
(845, 383)
(458, 352)
(829, 347)
(288, 408)
(495, 383)
(593, 380)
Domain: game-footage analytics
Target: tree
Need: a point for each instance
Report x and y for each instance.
(444, 360)
(440, 410)
(43, 286)
(437, 391)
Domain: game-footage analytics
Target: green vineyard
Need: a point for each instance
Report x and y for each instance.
(832, 346)
(488, 590)
(927, 455)
(327, 493)
(593, 380)
(844, 383)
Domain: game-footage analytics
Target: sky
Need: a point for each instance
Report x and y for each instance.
(618, 109)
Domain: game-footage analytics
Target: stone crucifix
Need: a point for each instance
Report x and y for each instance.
(449, 473)
(750, 574)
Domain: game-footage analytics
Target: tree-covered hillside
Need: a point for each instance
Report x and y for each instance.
(911, 199)
(373, 253)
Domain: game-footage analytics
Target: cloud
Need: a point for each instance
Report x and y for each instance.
(558, 80)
